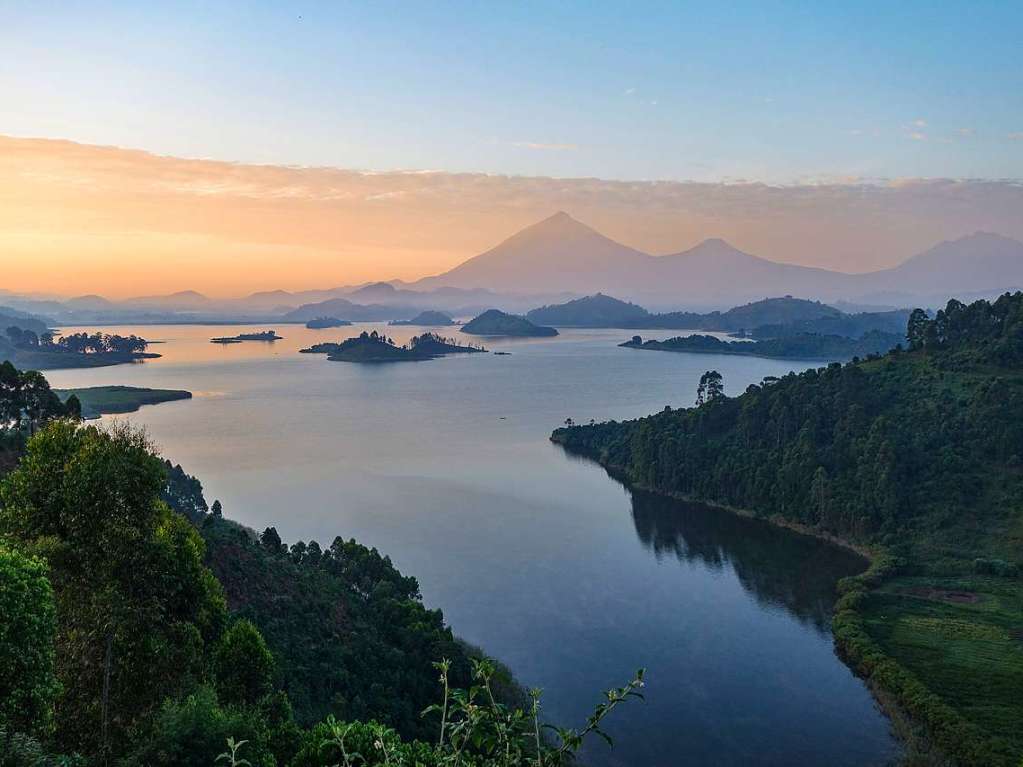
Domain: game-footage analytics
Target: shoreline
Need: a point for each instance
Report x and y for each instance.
(919, 748)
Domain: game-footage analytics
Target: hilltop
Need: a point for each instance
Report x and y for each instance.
(597, 311)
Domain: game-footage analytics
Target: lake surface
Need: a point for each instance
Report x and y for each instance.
(539, 557)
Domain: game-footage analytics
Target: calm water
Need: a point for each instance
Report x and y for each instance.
(537, 556)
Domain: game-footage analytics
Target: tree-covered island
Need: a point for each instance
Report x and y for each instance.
(378, 347)
(266, 335)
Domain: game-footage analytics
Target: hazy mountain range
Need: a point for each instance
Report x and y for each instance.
(562, 254)
(560, 258)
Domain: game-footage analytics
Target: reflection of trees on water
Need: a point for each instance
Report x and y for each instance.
(778, 567)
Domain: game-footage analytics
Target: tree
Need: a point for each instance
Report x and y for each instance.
(271, 540)
(243, 665)
(28, 626)
(136, 605)
(192, 733)
(217, 510)
(916, 329)
(73, 408)
(710, 388)
(819, 493)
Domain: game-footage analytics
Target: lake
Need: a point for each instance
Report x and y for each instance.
(537, 556)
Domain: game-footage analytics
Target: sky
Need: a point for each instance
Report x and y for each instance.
(795, 96)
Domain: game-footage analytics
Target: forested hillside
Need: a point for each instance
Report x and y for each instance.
(140, 628)
(916, 454)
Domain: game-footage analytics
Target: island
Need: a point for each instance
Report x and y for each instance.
(428, 318)
(30, 350)
(109, 400)
(266, 335)
(377, 347)
(438, 346)
(326, 322)
(494, 322)
(804, 346)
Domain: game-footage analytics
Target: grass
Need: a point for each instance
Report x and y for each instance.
(108, 400)
(970, 653)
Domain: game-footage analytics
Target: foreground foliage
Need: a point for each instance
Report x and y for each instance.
(117, 646)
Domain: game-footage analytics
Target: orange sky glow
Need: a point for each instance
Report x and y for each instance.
(77, 219)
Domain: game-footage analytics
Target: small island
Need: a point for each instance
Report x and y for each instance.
(266, 335)
(110, 400)
(804, 346)
(494, 322)
(377, 347)
(326, 322)
(427, 318)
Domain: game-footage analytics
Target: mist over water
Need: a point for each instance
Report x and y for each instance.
(537, 556)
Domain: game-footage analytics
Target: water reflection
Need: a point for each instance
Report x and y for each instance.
(777, 567)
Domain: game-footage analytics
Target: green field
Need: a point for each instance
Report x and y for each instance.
(964, 636)
(111, 400)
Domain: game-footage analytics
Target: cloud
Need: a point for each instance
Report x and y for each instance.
(919, 123)
(966, 132)
(1016, 136)
(540, 145)
(917, 136)
(78, 218)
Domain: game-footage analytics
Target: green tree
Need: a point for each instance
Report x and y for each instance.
(28, 625)
(916, 329)
(243, 665)
(710, 388)
(136, 604)
(192, 732)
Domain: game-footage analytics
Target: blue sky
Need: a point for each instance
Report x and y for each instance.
(778, 92)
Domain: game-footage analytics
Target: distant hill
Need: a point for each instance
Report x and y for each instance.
(430, 318)
(598, 311)
(496, 323)
(767, 318)
(13, 318)
(342, 307)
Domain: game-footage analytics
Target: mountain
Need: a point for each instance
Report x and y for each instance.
(556, 254)
(976, 265)
(597, 311)
(562, 255)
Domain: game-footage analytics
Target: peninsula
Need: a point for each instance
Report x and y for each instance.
(801, 346)
(115, 400)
